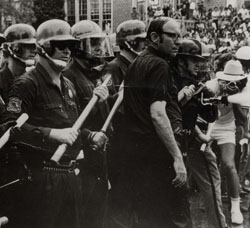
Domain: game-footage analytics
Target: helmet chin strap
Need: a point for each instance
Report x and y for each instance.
(131, 49)
(57, 64)
(26, 62)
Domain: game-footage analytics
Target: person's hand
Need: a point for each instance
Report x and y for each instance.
(204, 138)
(65, 135)
(97, 139)
(14, 131)
(102, 92)
(189, 91)
(181, 173)
(5, 126)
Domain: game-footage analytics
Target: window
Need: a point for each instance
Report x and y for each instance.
(71, 11)
(95, 11)
(83, 9)
(106, 23)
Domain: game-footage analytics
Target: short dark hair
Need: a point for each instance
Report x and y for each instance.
(156, 26)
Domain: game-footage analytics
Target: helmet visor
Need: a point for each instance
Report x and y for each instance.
(97, 46)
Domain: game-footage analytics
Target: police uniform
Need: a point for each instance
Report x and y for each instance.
(6, 80)
(52, 198)
(117, 68)
(202, 165)
(94, 179)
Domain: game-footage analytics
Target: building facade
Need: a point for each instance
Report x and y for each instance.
(110, 13)
(100, 11)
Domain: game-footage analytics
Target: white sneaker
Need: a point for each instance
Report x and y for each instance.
(236, 217)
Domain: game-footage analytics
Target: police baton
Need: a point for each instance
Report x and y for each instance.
(112, 112)
(209, 132)
(114, 108)
(19, 122)
(79, 122)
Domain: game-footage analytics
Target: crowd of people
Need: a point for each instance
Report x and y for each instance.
(223, 29)
(110, 140)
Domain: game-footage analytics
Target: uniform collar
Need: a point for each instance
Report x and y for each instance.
(46, 77)
(86, 69)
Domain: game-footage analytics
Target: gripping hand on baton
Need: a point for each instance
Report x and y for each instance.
(79, 122)
(100, 138)
(13, 127)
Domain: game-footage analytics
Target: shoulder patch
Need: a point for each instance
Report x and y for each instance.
(14, 105)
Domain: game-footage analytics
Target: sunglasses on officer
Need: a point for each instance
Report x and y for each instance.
(62, 45)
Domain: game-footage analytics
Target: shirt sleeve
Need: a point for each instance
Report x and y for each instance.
(158, 83)
(21, 98)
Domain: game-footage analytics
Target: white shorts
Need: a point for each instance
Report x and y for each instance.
(224, 133)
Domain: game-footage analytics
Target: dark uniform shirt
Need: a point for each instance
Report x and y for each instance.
(193, 107)
(48, 107)
(85, 79)
(148, 79)
(118, 68)
(6, 80)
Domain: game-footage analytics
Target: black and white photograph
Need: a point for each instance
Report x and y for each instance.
(124, 114)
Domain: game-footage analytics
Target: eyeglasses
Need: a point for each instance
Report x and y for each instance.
(173, 36)
(232, 85)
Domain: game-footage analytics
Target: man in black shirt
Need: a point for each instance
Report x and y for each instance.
(153, 172)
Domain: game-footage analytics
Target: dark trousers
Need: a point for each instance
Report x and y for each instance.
(144, 195)
(50, 200)
(94, 191)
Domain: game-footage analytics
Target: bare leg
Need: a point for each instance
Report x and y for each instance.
(227, 158)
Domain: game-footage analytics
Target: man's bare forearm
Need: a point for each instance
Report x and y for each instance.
(163, 128)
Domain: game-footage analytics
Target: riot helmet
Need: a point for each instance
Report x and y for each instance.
(131, 35)
(92, 41)
(55, 35)
(20, 43)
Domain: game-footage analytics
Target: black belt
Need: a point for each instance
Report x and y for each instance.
(67, 167)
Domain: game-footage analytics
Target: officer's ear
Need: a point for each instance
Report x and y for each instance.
(155, 38)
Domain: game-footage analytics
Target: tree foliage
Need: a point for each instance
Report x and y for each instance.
(48, 9)
(16, 11)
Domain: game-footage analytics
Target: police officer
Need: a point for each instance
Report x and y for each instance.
(195, 117)
(20, 51)
(53, 197)
(130, 37)
(2, 40)
(83, 71)
(153, 172)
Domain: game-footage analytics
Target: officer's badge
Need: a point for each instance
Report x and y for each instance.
(14, 105)
(70, 93)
